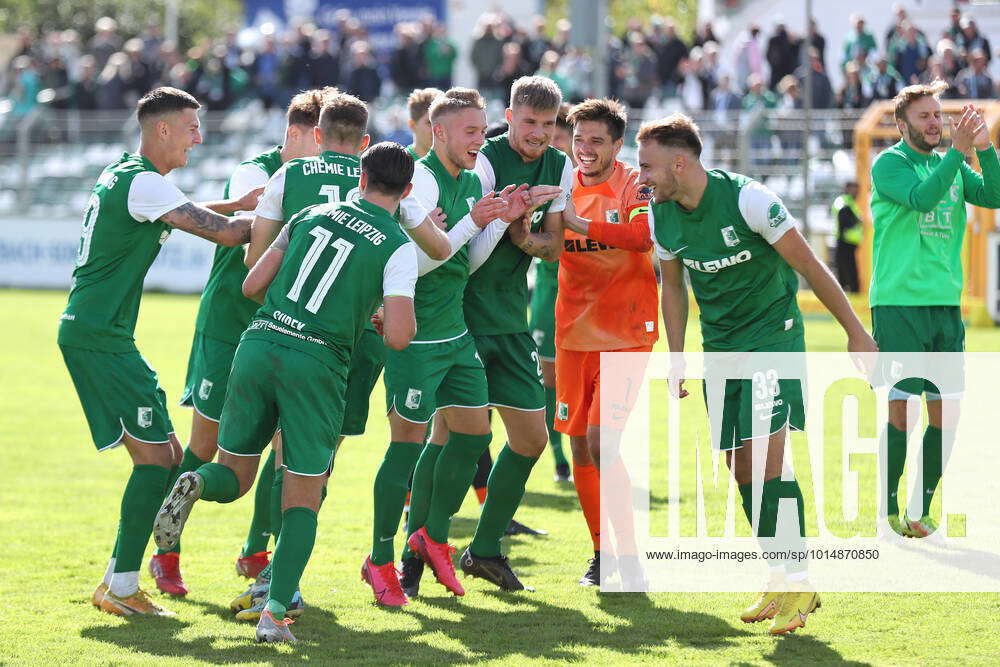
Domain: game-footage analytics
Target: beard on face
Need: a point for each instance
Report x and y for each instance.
(918, 139)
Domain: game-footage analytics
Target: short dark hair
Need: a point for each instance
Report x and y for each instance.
(419, 101)
(538, 92)
(164, 100)
(305, 107)
(676, 131)
(455, 99)
(562, 118)
(344, 118)
(606, 110)
(389, 167)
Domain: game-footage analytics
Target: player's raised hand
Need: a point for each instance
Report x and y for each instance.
(248, 202)
(963, 133)
(542, 194)
(517, 201)
(488, 209)
(982, 140)
(438, 217)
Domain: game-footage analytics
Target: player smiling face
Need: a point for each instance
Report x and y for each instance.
(182, 132)
(921, 125)
(594, 149)
(462, 133)
(658, 168)
(531, 130)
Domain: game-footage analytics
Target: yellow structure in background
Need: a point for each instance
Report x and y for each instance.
(878, 125)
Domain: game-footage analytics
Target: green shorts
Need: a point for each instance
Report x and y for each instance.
(765, 397)
(917, 329)
(513, 372)
(366, 365)
(543, 319)
(120, 395)
(424, 377)
(270, 380)
(208, 375)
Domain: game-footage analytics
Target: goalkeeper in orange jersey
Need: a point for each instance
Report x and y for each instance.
(607, 302)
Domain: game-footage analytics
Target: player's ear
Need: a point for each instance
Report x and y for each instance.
(438, 131)
(318, 135)
(508, 115)
(363, 182)
(616, 146)
(406, 191)
(410, 124)
(365, 140)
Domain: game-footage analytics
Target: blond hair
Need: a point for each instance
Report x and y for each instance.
(455, 99)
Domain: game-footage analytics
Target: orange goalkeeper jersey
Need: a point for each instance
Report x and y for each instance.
(607, 289)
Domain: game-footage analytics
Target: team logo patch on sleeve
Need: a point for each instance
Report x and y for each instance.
(776, 214)
(145, 417)
(413, 397)
(562, 411)
(612, 216)
(205, 389)
(730, 237)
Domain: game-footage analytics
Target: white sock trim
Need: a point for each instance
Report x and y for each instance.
(124, 584)
(109, 572)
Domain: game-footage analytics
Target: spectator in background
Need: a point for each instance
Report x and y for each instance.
(213, 84)
(950, 61)
(708, 72)
(407, 61)
(750, 56)
(704, 34)
(548, 69)
(266, 75)
(84, 90)
(363, 79)
(439, 57)
(954, 31)
(858, 39)
(25, 85)
(790, 94)
(852, 95)
(535, 46)
(847, 215)
(910, 54)
(512, 67)
(816, 40)
(782, 53)
(935, 72)
(885, 81)
(974, 81)
(822, 89)
(560, 42)
(640, 67)
(671, 51)
(113, 83)
(759, 98)
(106, 40)
(487, 53)
(895, 30)
(324, 62)
(690, 89)
(971, 39)
(139, 78)
(152, 39)
(724, 98)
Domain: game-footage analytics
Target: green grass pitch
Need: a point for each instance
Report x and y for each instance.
(59, 505)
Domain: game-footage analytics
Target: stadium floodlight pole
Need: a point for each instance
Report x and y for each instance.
(807, 118)
(590, 34)
(170, 20)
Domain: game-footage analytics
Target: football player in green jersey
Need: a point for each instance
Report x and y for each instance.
(131, 212)
(918, 208)
(417, 105)
(223, 314)
(330, 177)
(741, 250)
(543, 314)
(318, 296)
(441, 372)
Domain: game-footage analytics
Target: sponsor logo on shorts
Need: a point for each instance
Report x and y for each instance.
(730, 237)
(413, 398)
(145, 417)
(562, 411)
(205, 389)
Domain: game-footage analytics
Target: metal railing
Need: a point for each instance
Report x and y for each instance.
(50, 159)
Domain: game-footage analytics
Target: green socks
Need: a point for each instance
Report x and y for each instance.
(504, 492)
(277, 489)
(220, 484)
(771, 494)
(456, 466)
(390, 496)
(555, 437)
(295, 545)
(140, 502)
(931, 455)
(260, 523)
(189, 463)
(420, 491)
(895, 460)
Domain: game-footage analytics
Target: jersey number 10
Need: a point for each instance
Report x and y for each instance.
(322, 237)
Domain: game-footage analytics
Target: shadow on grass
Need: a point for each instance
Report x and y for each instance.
(796, 648)
(321, 640)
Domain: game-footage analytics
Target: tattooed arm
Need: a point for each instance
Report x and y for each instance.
(546, 244)
(207, 224)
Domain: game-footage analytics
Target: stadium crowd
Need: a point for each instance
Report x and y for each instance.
(645, 61)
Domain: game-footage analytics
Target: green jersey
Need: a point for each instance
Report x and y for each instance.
(438, 299)
(224, 312)
(413, 152)
(327, 178)
(744, 288)
(121, 236)
(918, 210)
(546, 275)
(496, 299)
(324, 292)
